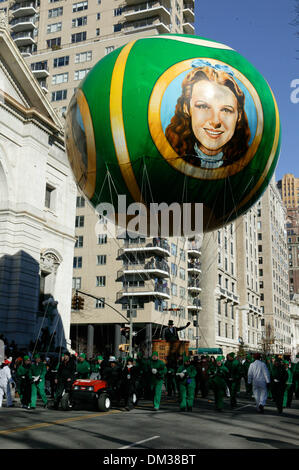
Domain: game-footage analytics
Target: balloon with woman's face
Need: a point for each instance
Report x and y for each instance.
(174, 119)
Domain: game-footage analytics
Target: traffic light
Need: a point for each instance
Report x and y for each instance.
(75, 302)
(81, 303)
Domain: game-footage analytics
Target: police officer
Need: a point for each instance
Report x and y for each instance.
(38, 372)
(65, 376)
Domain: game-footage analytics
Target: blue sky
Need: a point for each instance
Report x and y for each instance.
(260, 30)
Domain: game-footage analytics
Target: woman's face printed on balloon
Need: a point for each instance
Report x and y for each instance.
(214, 115)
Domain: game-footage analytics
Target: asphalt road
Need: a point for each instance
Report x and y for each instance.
(143, 428)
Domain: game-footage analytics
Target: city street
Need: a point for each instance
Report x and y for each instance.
(142, 428)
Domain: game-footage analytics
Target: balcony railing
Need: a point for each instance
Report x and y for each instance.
(194, 303)
(196, 266)
(23, 38)
(154, 268)
(23, 9)
(148, 289)
(158, 246)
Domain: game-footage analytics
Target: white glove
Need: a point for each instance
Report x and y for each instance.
(182, 375)
(154, 371)
(184, 371)
(275, 380)
(128, 376)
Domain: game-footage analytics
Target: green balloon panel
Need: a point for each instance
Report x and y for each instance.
(175, 118)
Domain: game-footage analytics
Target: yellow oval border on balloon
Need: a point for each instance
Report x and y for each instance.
(86, 177)
(165, 148)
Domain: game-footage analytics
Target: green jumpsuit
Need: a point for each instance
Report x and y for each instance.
(83, 369)
(157, 378)
(218, 382)
(295, 370)
(186, 373)
(289, 389)
(235, 374)
(38, 371)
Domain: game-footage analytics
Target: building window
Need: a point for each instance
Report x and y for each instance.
(79, 241)
(174, 289)
(98, 30)
(54, 43)
(101, 259)
(100, 303)
(61, 61)
(76, 283)
(77, 22)
(117, 27)
(59, 95)
(49, 196)
(80, 201)
(80, 74)
(219, 328)
(101, 281)
(78, 37)
(83, 57)
(182, 274)
(219, 306)
(79, 221)
(109, 49)
(60, 78)
(54, 12)
(54, 28)
(80, 6)
(102, 239)
(173, 249)
(77, 262)
(174, 269)
(117, 11)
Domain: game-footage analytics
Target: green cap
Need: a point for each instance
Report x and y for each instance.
(82, 355)
(36, 356)
(155, 353)
(232, 354)
(26, 358)
(219, 358)
(100, 358)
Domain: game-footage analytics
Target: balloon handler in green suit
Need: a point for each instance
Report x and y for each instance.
(83, 367)
(234, 378)
(186, 374)
(158, 370)
(38, 372)
(218, 382)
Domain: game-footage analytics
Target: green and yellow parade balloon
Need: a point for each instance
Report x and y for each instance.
(174, 118)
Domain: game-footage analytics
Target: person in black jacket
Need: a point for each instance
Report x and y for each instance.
(65, 376)
(112, 375)
(128, 383)
(170, 333)
(279, 377)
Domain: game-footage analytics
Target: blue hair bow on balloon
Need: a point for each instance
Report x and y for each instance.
(205, 63)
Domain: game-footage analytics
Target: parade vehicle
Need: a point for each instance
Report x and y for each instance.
(88, 391)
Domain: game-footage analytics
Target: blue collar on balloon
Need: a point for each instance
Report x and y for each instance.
(205, 63)
(208, 161)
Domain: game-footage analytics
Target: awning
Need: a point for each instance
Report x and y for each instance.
(206, 350)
